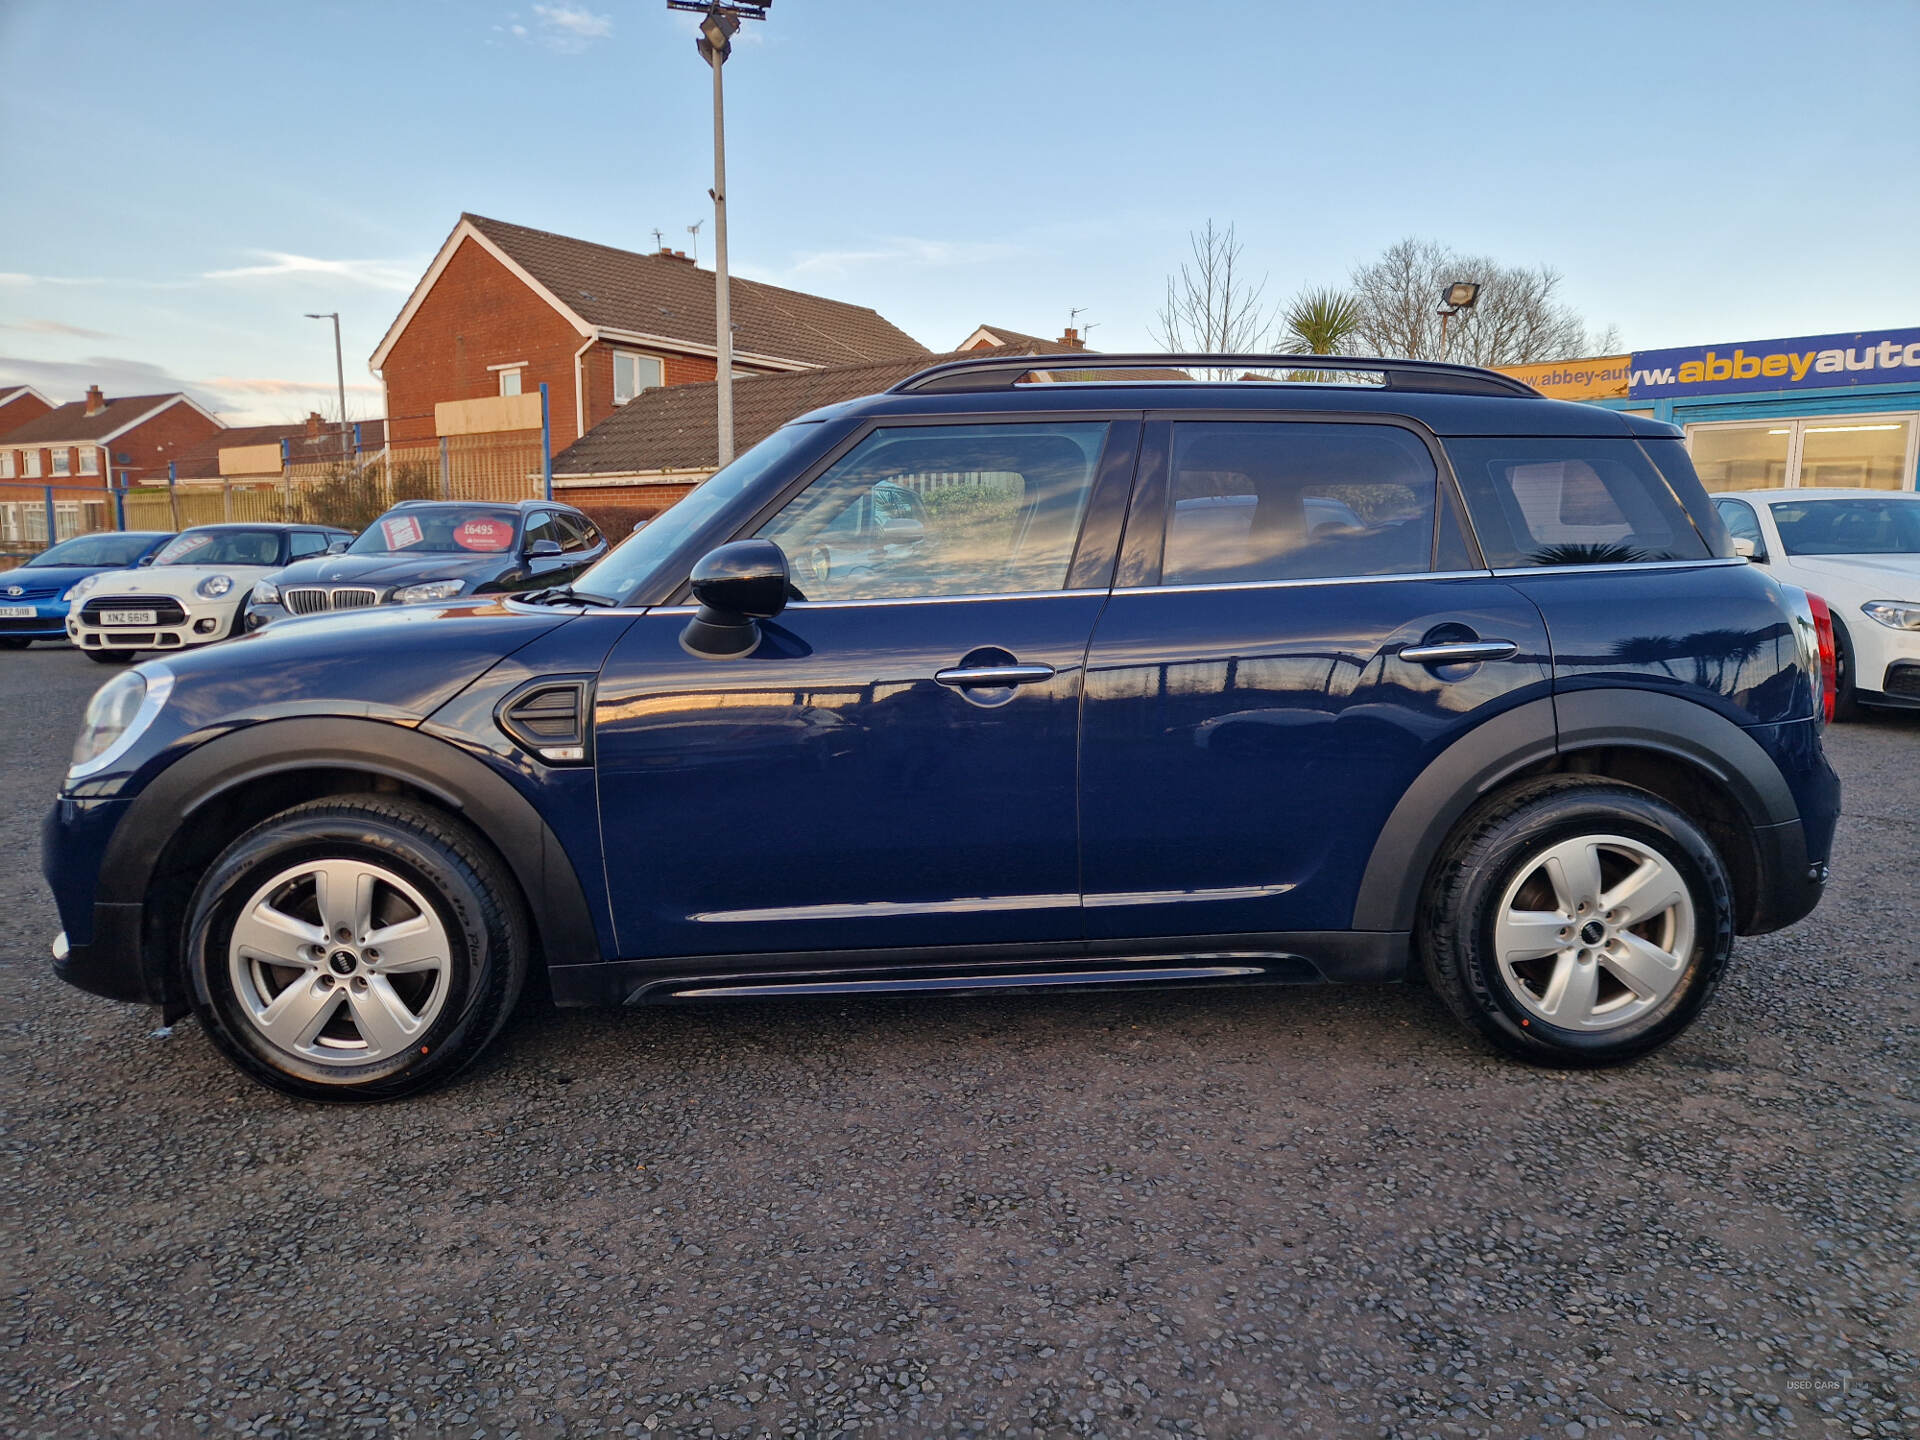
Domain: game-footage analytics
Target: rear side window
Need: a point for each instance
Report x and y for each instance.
(1577, 502)
(1284, 500)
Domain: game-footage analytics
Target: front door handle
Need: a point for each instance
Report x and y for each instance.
(965, 675)
(1460, 652)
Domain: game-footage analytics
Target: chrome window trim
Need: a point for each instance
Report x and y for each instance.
(1517, 571)
(901, 600)
(1295, 584)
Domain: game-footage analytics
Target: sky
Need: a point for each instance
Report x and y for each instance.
(182, 182)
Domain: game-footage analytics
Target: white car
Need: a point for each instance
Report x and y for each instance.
(190, 593)
(1859, 550)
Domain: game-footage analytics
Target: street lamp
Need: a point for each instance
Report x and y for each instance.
(339, 375)
(1459, 295)
(718, 23)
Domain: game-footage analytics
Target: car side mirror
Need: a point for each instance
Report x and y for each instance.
(338, 547)
(145, 560)
(638, 526)
(737, 586)
(1747, 550)
(902, 530)
(542, 548)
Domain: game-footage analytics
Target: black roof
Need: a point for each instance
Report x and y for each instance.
(263, 525)
(521, 505)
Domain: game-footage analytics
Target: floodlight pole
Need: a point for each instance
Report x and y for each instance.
(339, 377)
(722, 306)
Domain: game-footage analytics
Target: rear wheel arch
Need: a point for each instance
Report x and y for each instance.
(1696, 760)
(182, 821)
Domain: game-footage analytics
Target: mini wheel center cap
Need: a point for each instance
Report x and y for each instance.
(1592, 933)
(343, 962)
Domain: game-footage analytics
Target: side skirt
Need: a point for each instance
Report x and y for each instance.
(1285, 959)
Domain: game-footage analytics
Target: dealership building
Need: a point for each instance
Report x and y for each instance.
(1838, 410)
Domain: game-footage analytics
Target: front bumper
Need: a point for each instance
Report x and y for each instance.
(105, 951)
(48, 622)
(205, 621)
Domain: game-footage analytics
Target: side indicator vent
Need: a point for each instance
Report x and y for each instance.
(548, 718)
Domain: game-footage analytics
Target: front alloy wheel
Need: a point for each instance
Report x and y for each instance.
(357, 948)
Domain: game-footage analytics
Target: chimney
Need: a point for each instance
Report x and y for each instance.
(1071, 339)
(314, 424)
(96, 402)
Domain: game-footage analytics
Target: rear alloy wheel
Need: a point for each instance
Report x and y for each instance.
(355, 949)
(1578, 922)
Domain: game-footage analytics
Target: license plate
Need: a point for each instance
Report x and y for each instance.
(17, 612)
(129, 617)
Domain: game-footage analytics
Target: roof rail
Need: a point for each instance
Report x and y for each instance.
(1003, 372)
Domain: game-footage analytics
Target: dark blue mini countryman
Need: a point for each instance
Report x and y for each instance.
(1016, 676)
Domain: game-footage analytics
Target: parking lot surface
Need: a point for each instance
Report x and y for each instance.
(1232, 1213)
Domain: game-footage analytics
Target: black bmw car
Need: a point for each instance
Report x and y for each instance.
(425, 550)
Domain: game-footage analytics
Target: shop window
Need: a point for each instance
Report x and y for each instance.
(1871, 454)
(633, 374)
(1741, 457)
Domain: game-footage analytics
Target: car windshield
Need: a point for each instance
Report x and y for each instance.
(114, 549)
(620, 573)
(1867, 526)
(440, 530)
(222, 547)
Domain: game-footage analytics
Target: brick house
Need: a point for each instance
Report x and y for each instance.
(504, 308)
(19, 404)
(131, 436)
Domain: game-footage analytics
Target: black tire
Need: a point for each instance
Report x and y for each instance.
(1846, 702)
(469, 889)
(1495, 846)
(14, 642)
(110, 657)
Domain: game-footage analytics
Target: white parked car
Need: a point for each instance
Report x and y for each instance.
(190, 593)
(1859, 550)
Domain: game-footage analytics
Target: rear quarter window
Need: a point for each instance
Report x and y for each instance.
(1584, 502)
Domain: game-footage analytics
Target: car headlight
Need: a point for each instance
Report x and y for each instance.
(430, 590)
(82, 586)
(213, 587)
(120, 710)
(1900, 615)
(265, 592)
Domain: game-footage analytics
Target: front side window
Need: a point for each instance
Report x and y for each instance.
(632, 374)
(1576, 502)
(1288, 501)
(943, 510)
(308, 542)
(1849, 527)
(540, 526)
(222, 547)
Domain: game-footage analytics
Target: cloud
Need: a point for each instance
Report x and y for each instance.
(375, 274)
(238, 400)
(904, 250)
(569, 28)
(54, 327)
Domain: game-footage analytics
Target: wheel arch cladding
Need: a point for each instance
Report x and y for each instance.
(241, 778)
(1635, 735)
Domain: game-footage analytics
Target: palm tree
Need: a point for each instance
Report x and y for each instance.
(1320, 321)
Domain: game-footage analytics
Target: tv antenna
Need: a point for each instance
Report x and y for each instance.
(659, 238)
(694, 231)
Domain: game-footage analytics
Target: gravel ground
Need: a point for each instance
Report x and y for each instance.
(1242, 1213)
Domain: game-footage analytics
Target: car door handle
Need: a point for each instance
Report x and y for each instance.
(1460, 652)
(964, 675)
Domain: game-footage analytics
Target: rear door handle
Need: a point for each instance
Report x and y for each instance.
(965, 675)
(1460, 652)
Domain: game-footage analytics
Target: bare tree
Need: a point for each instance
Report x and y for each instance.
(1518, 318)
(1210, 305)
